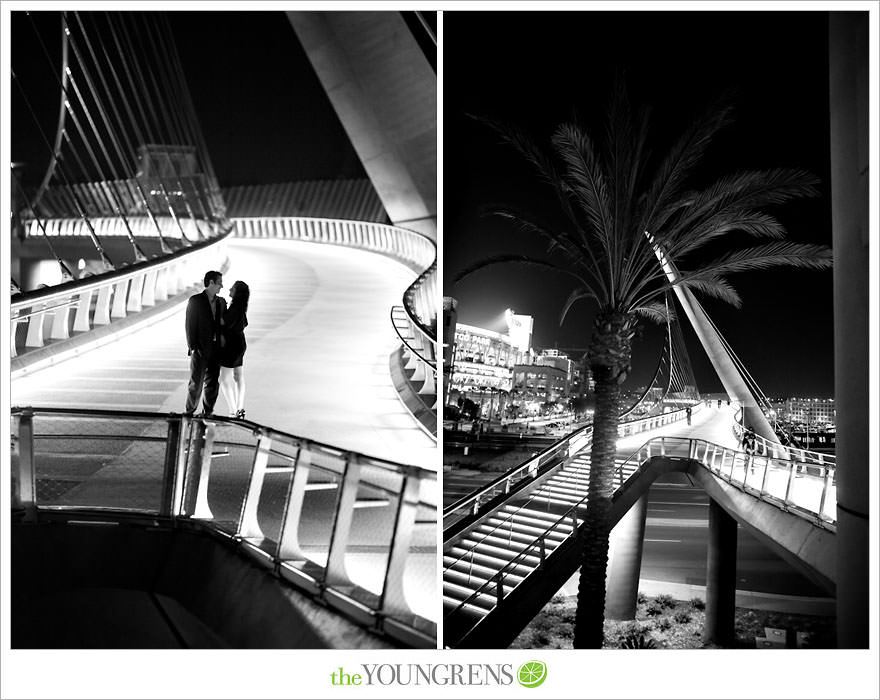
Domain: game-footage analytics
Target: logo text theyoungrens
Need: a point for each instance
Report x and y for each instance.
(425, 674)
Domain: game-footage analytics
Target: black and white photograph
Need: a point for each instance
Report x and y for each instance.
(439, 350)
(223, 329)
(655, 322)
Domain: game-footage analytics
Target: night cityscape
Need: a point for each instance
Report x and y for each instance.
(535, 170)
(613, 389)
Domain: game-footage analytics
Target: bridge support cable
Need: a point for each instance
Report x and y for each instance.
(66, 274)
(80, 209)
(750, 380)
(149, 99)
(59, 132)
(170, 112)
(182, 109)
(111, 185)
(128, 165)
(216, 202)
(734, 382)
(114, 176)
(108, 200)
(139, 135)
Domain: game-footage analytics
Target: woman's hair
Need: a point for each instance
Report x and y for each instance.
(242, 295)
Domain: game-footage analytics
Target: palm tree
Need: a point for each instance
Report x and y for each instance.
(622, 214)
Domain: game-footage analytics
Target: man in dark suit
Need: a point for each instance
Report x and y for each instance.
(203, 314)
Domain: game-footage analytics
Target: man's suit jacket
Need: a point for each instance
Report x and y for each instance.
(202, 327)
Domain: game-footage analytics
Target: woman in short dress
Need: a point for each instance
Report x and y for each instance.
(234, 345)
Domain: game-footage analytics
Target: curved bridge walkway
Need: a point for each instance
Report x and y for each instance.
(509, 559)
(317, 366)
(317, 358)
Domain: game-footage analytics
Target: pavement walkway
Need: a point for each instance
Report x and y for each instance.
(317, 363)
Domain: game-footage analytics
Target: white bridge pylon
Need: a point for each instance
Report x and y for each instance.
(730, 377)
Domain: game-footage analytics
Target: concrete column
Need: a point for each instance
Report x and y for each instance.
(848, 77)
(720, 577)
(384, 92)
(625, 564)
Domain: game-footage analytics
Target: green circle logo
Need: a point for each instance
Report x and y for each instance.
(532, 673)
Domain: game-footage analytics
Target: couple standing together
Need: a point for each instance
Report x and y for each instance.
(215, 337)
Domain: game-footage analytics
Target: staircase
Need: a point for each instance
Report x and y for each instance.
(502, 549)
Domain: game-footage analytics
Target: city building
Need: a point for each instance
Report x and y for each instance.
(813, 411)
(482, 365)
(536, 384)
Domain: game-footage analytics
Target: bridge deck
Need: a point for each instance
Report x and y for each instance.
(319, 340)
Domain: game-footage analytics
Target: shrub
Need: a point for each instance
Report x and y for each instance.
(637, 641)
(682, 617)
(654, 609)
(641, 598)
(663, 624)
(665, 601)
(698, 604)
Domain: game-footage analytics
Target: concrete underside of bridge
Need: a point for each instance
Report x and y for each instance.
(384, 92)
(91, 585)
(810, 549)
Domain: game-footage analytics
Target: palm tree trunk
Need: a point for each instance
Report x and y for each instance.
(609, 362)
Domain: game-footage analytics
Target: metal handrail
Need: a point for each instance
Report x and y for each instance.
(410, 293)
(289, 438)
(432, 365)
(497, 581)
(87, 284)
(514, 471)
(189, 451)
(767, 446)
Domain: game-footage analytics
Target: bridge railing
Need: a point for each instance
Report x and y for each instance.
(44, 316)
(108, 226)
(758, 475)
(416, 327)
(341, 526)
(797, 484)
(558, 453)
(766, 448)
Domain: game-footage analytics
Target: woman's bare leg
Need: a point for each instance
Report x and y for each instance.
(229, 390)
(238, 374)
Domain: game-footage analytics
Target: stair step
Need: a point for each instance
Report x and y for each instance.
(493, 561)
(523, 529)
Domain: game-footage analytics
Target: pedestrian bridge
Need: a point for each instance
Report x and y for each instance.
(511, 545)
(330, 483)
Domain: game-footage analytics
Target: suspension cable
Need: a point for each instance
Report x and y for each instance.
(61, 171)
(128, 165)
(66, 274)
(138, 253)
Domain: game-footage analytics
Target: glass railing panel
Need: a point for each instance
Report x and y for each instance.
(98, 462)
(420, 573)
(232, 456)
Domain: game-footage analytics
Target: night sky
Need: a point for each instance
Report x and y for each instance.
(535, 70)
(263, 112)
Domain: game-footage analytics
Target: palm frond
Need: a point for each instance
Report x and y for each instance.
(656, 311)
(751, 189)
(782, 254)
(573, 298)
(520, 260)
(686, 153)
(585, 179)
(753, 223)
(557, 239)
(712, 286)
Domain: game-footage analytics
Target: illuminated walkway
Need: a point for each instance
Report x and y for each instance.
(317, 362)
